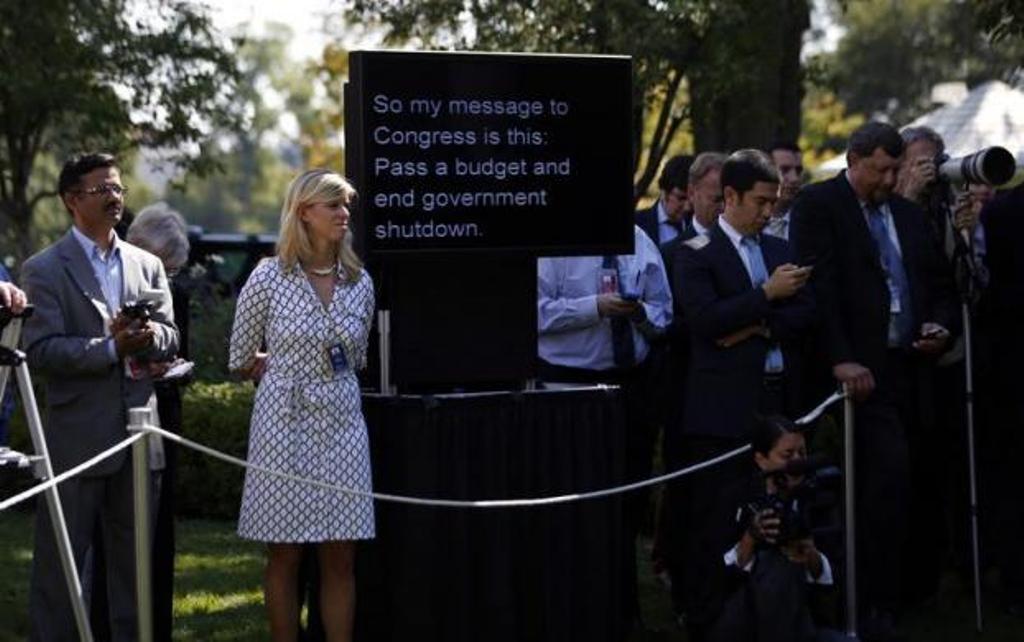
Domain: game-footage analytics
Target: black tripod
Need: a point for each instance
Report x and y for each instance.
(968, 281)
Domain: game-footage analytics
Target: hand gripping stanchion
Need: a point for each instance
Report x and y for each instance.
(138, 420)
(43, 469)
(851, 527)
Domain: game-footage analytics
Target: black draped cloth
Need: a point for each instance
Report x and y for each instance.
(450, 574)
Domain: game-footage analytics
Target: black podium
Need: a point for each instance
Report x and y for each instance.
(453, 574)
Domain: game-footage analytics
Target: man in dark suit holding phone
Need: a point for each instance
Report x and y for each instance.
(887, 307)
(746, 306)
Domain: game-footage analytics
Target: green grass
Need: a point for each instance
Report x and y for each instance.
(217, 582)
(218, 595)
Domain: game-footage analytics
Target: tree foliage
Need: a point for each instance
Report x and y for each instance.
(746, 83)
(893, 53)
(108, 74)
(1001, 19)
(662, 37)
(704, 49)
(256, 158)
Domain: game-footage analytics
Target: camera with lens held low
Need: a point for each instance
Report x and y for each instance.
(804, 509)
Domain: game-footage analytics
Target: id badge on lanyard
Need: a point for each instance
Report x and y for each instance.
(336, 357)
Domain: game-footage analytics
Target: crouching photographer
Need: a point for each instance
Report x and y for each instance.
(765, 578)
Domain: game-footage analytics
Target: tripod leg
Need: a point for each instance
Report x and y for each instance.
(60, 529)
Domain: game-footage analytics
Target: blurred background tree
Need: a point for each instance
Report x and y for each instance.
(106, 75)
(677, 46)
(255, 156)
(893, 53)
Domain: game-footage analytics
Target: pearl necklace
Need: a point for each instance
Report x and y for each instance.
(327, 271)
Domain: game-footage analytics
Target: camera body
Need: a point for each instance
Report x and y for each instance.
(808, 509)
(791, 509)
(138, 310)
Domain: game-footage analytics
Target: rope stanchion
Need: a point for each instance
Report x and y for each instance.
(69, 473)
(486, 503)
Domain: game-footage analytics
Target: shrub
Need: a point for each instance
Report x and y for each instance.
(215, 415)
(212, 313)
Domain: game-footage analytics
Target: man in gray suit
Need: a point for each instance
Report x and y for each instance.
(83, 343)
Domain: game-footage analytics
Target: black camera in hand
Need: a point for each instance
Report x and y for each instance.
(802, 508)
(138, 311)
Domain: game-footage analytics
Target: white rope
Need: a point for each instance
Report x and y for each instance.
(422, 501)
(814, 414)
(387, 497)
(486, 503)
(71, 472)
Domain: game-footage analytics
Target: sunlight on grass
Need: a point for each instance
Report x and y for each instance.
(205, 602)
(227, 563)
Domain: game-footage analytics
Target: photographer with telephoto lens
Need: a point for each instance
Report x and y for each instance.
(765, 578)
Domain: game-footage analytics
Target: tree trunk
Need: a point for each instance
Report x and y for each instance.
(763, 103)
(17, 217)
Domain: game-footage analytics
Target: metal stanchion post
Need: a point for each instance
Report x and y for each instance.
(851, 526)
(384, 332)
(138, 418)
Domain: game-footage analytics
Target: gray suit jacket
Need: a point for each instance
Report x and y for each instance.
(87, 396)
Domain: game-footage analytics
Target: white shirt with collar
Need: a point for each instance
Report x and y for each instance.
(699, 228)
(778, 226)
(731, 558)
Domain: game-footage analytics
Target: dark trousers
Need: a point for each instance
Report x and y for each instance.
(87, 501)
(636, 387)
(692, 504)
(168, 397)
(1007, 482)
(883, 481)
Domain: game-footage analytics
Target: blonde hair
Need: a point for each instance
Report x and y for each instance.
(161, 230)
(293, 244)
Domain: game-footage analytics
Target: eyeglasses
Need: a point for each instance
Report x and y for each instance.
(104, 190)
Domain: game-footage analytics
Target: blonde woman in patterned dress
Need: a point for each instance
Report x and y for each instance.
(310, 307)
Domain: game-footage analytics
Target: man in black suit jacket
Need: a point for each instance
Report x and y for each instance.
(666, 219)
(704, 198)
(887, 307)
(1003, 305)
(742, 323)
(704, 193)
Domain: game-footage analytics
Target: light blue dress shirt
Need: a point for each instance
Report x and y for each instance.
(107, 268)
(666, 231)
(570, 332)
(774, 361)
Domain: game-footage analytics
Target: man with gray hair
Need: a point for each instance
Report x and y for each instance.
(704, 192)
(161, 230)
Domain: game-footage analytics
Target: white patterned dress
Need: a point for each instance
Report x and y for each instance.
(306, 420)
